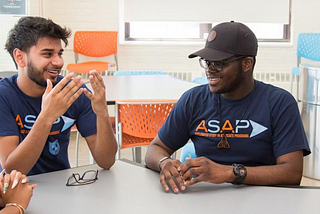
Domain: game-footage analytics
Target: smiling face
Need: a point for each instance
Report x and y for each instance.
(44, 61)
(227, 81)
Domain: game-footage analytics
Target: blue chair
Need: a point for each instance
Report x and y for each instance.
(188, 150)
(308, 47)
(127, 73)
(200, 80)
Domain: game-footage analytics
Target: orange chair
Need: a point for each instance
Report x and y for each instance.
(94, 44)
(138, 122)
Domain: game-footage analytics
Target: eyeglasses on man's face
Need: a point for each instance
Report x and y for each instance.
(218, 65)
(87, 177)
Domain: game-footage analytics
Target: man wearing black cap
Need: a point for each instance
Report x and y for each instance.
(244, 131)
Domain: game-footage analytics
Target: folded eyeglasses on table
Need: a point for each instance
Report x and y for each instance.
(88, 177)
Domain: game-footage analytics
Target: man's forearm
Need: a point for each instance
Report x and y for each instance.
(105, 147)
(26, 154)
(281, 174)
(154, 154)
(288, 171)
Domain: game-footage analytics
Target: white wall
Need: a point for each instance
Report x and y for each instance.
(6, 23)
(274, 62)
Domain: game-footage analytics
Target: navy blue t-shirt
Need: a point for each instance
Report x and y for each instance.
(270, 127)
(18, 112)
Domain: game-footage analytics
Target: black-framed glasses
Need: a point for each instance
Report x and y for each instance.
(88, 177)
(218, 65)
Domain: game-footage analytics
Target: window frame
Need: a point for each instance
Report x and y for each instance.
(205, 28)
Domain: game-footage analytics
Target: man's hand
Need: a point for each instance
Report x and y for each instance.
(204, 169)
(98, 98)
(170, 175)
(57, 100)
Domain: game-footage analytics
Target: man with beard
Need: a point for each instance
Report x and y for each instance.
(244, 131)
(39, 107)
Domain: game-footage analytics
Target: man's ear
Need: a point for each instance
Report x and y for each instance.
(20, 57)
(247, 64)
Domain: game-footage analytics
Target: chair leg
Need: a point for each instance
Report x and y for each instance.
(137, 154)
(91, 159)
(294, 77)
(174, 155)
(77, 149)
(118, 153)
(133, 154)
(297, 88)
(291, 83)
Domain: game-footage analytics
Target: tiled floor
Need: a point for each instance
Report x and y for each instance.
(85, 158)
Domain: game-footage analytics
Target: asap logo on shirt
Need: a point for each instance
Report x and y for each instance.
(25, 124)
(213, 128)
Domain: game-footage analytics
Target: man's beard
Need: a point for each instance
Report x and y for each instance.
(234, 85)
(37, 76)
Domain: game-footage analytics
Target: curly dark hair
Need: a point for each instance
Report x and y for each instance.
(28, 30)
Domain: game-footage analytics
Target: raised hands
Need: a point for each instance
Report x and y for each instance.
(98, 97)
(56, 101)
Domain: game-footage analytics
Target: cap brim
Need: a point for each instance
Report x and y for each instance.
(211, 54)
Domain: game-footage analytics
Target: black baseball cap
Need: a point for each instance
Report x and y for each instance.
(226, 40)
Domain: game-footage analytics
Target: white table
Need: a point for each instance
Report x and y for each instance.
(144, 87)
(127, 188)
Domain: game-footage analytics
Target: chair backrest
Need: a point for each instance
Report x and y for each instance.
(187, 150)
(200, 80)
(95, 43)
(127, 73)
(308, 47)
(140, 121)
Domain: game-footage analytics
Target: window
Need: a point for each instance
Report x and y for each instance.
(162, 20)
(165, 31)
(175, 31)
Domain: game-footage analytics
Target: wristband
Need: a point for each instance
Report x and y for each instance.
(161, 160)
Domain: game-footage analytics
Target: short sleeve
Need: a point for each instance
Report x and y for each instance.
(175, 131)
(8, 123)
(289, 134)
(87, 120)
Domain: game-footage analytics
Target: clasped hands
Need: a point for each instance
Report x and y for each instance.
(175, 174)
(15, 188)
